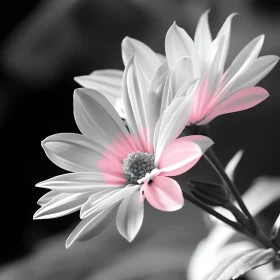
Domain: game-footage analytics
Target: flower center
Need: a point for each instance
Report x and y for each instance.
(137, 165)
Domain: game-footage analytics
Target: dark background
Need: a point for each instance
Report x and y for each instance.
(44, 44)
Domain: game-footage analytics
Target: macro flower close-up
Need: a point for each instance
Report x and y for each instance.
(114, 165)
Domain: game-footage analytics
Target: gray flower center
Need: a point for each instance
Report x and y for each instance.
(137, 165)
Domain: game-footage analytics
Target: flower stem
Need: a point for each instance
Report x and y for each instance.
(253, 228)
(210, 210)
(212, 159)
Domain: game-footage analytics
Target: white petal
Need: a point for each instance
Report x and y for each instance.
(130, 215)
(159, 77)
(225, 31)
(108, 82)
(171, 124)
(183, 72)
(96, 117)
(74, 152)
(167, 96)
(91, 226)
(258, 70)
(202, 36)
(82, 182)
(242, 62)
(179, 44)
(149, 61)
(135, 100)
(161, 57)
(102, 200)
(62, 205)
(47, 197)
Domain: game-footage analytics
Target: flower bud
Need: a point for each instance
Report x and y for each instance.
(211, 194)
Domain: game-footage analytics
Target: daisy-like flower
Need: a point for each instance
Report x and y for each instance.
(220, 92)
(115, 168)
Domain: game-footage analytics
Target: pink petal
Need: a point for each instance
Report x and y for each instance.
(164, 194)
(182, 154)
(239, 101)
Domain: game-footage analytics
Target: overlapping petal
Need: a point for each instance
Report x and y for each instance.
(47, 197)
(130, 215)
(164, 194)
(62, 205)
(80, 182)
(149, 61)
(182, 154)
(91, 226)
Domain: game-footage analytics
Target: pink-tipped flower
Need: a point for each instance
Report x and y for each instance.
(219, 92)
(114, 169)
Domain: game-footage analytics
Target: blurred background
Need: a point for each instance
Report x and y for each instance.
(43, 45)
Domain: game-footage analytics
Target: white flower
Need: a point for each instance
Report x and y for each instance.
(114, 169)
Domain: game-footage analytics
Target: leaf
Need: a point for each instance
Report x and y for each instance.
(240, 263)
(232, 164)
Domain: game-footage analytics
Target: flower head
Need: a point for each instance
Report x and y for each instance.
(190, 61)
(219, 92)
(114, 169)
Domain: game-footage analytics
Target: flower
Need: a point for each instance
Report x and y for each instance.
(114, 168)
(219, 92)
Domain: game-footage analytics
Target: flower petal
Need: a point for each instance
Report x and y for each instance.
(241, 63)
(130, 215)
(164, 194)
(239, 101)
(225, 32)
(149, 61)
(171, 123)
(47, 197)
(93, 113)
(183, 72)
(91, 226)
(259, 69)
(80, 182)
(202, 36)
(62, 205)
(75, 152)
(108, 82)
(179, 44)
(182, 154)
(102, 200)
(135, 94)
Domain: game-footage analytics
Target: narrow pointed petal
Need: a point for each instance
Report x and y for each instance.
(149, 61)
(158, 78)
(93, 112)
(135, 93)
(62, 205)
(259, 69)
(239, 101)
(171, 124)
(130, 215)
(102, 200)
(75, 152)
(166, 93)
(179, 44)
(91, 226)
(182, 73)
(214, 64)
(47, 197)
(182, 154)
(225, 31)
(202, 36)
(108, 82)
(80, 182)
(243, 61)
(164, 194)
(161, 57)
